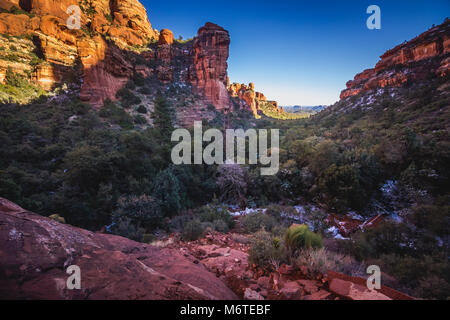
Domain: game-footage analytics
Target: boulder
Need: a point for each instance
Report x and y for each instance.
(35, 252)
(250, 294)
(292, 291)
(354, 291)
(165, 37)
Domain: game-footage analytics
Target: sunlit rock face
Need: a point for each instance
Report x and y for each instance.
(208, 73)
(103, 51)
(104, 65)
(417, 59)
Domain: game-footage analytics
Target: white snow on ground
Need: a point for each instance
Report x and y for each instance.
(246, 212)
(388, 188)
(334, 232)
(355, 216)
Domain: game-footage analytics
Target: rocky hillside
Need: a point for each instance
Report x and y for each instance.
(35, 252)
(115, 42)
(413, 61)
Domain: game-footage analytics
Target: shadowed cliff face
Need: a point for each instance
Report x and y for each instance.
(424, 56)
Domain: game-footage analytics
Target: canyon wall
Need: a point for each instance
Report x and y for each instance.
(248, 98)
(424, 56)
(114, 42)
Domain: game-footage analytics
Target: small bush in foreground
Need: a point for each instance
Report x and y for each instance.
(322, 260)
(256, 221)
(192, 230)
(299, 237)
(266, 250)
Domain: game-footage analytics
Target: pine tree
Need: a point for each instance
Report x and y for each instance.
(162, 119)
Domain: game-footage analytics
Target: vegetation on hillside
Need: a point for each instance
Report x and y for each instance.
(111, 167)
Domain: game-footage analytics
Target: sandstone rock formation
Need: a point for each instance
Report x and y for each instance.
(165, 37)
(208, 73)
(35, 252)
(425, 55)
(116, 41)
(105, 51)
(249, 98)
(103, 64)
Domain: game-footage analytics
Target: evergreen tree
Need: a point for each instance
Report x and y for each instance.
(162, 119)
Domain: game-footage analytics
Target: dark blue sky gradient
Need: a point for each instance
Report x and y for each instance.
(300, 52)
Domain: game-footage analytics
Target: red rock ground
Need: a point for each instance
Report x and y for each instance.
(35, 252)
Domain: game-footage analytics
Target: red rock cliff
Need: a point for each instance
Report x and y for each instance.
(425, 55)
(103, 63)
(208, 73)
(249, 98)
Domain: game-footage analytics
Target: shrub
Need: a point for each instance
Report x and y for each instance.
(256, 221)
(138, 79)
(281, 212)
(57, 218)
(435, 219)
(322, 260)
(130, 85)
(144, 90)
(109, 17)
(81, 108)
(124, 227)
(213, 214)
(299, 237)
(177, 223)
(127, 97)
(232, 182)
(143, 211)
(221, 226)
(266, 250)
(192, 230)
(166, 188)
(14, 79)
(140, 120)
(117, 115)
(142, 109)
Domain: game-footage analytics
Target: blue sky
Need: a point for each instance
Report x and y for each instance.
(300, 52)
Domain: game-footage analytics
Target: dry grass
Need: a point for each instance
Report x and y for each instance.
(322, 260)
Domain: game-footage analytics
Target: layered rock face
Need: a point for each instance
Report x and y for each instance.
(115, 41)
(249, 98)
(66, 51)
(104, 51)
(35, 253)
(208, 73)
(426, 55)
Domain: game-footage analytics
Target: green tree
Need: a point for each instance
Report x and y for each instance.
(166, 189)
(162, 119)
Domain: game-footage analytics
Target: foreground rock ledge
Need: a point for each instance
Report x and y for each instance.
(35, 252)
